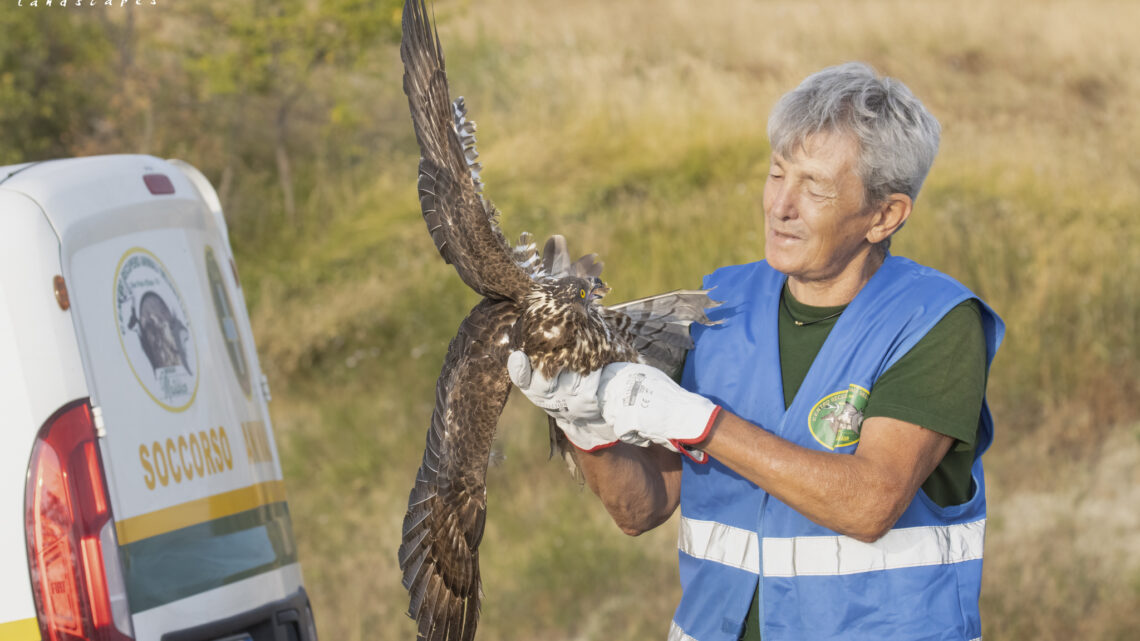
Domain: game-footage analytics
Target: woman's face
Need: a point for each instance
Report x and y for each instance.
(816, 222)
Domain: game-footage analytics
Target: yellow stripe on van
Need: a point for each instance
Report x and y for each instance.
(23, 630)
(197, 511)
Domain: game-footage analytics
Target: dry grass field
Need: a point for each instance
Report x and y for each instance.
(637, 129)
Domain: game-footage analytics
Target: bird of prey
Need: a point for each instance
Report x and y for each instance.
(545, 305)
(161, 334)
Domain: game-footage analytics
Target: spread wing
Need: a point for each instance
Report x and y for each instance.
(660, 325)
(447, 507)
(461, 223)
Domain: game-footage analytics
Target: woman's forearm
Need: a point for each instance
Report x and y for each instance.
(639, 486)
(860, 495)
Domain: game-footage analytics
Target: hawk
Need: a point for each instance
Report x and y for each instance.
(542, 304)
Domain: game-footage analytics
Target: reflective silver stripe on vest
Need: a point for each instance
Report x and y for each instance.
(831, 555)
(901, 548)
(721, 543)
(677, 634)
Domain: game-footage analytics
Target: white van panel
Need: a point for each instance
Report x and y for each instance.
(196, 481)
(48, 371)
(40, 370)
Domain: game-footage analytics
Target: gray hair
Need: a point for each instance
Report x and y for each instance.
(897, 136)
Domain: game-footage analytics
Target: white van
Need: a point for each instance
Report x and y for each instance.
(141, 494)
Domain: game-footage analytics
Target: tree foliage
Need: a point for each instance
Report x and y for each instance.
(258, 93)
(270, 63)
(54, 74)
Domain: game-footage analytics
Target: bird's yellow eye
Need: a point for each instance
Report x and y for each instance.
(581, 293)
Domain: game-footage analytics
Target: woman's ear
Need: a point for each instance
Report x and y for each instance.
(891, 215)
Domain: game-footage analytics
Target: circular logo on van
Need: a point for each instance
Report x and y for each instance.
(837, 419)
(154, 330)
(226, 321)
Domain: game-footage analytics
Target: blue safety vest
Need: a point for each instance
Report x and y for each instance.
(923, 578)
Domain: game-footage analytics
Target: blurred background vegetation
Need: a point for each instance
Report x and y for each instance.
(637, 129)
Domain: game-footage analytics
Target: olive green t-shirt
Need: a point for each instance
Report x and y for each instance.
(939, 384)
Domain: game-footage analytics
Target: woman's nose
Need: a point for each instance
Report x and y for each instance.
(778, 201)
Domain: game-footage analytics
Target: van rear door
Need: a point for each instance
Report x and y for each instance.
(191, 464)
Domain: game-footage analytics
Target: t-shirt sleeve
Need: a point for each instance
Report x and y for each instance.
(940, 383)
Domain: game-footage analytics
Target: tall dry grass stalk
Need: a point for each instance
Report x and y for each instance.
(638, 130)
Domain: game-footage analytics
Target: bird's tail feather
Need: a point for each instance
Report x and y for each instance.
(561, 447)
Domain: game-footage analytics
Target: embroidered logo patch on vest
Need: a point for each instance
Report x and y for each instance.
(836, 419)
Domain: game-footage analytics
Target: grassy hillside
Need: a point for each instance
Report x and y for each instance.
(637, 130)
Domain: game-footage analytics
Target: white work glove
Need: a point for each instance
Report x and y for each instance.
(645, 406)
(570, 398)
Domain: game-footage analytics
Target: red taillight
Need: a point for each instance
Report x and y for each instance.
(72, 552)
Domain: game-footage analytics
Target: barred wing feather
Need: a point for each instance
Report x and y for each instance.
(660, 325)
(461, 223)
(447, 507)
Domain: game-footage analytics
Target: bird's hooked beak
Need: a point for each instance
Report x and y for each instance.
(599, 290)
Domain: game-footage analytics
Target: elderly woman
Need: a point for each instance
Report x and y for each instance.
(832, 424)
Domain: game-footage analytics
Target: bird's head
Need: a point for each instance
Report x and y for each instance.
(580, 291)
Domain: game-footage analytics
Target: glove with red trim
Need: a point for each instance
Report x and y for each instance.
(570, 398)
(645, 406)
